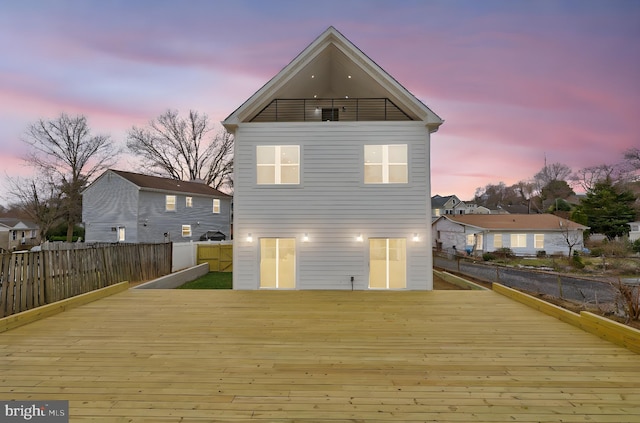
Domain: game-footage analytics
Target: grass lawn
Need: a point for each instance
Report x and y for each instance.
(212, 280)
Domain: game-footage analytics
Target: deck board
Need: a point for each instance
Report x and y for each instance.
(334, 356)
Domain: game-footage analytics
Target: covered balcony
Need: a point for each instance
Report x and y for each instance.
(331, 109)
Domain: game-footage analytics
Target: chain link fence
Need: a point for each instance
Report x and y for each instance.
(586, 291)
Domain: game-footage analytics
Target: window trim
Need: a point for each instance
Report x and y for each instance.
(385, 164)
(188, 202)
(190, 233)
(277, 165)
(167, 203)
(538, 241)
(518, 237)
(216, 206)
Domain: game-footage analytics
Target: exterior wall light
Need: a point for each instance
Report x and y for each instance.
(249, 238)
(305, 238)
(359, 238)
(416, 238)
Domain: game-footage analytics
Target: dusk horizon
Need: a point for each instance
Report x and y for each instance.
(517, 83)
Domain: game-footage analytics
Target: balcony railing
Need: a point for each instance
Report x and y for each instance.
(330, 109)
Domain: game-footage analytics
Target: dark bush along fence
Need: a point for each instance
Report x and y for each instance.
(33, 279)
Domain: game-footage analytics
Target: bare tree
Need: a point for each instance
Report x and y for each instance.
(183, 148)
(632, 156)
(39, 199)
(571, 236)
(552, 172)
(66, 153)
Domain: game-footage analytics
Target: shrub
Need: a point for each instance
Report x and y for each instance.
(577, 260)
(541, 254)
(636, 246)
(488, 256)
(504, 253)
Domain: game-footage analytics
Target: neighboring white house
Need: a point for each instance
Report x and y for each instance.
(332, 177)
(524, 234)
(16, 234)
(449, 205)
(634, 232)
(130, 207)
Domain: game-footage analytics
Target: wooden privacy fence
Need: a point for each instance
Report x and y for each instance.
(33, 279)
(219, 257)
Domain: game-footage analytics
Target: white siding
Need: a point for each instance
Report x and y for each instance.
(332, 204)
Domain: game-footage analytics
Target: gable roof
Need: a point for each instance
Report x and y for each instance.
(15, 223)
(438, 201)
(156, 183)
(333, 66)
(521, 222)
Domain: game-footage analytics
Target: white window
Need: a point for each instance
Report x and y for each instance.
(470, 240)
(216, 205)
(497, 241)
(186, 230)
(538, 241)
(278, 164)
(121, 234)
(437, 212)
(385, 164)
(518, 240)
(387, 263)
(188, 202)
(170, 203)
(277, 263)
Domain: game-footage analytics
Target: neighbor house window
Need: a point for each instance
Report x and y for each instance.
(518, 240)
(471, 240)
(278, 164)
(216, 205)
(170, 203)
(497, 241)
(188, 202)
(538, 241)
(186, 230)
(121, 234)
(385, 164)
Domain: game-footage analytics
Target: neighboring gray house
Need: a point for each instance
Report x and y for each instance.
(130, 207)
(524, 234)
(17, 234)
(332, 177)
(448, 205)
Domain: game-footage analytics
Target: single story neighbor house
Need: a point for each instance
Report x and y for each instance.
(524, 234)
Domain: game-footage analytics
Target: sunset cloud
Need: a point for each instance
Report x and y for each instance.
(514, 81)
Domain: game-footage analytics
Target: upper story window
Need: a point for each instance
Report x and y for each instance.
(188, 202)
(186, 230)
(170, 203)
(385, 164)
(216, 205)
(278, 164)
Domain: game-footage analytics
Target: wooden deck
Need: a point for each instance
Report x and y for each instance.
(207, 356)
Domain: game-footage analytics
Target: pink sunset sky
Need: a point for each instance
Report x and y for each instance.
(515, 81)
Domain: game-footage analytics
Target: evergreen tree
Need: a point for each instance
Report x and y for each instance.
(608, 209)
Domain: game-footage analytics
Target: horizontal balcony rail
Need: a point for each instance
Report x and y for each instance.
(330, 109)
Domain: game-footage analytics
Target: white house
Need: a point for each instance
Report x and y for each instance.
(17, 234)
(332, 177)
(524, 234)
(634, 231)
(447, 205)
